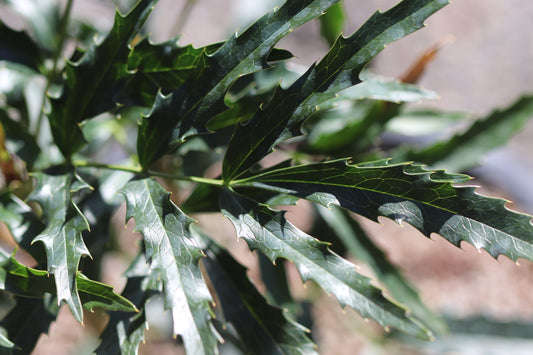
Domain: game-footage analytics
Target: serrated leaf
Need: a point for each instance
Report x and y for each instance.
(186, 111)
(124, 332)
(174, 255)
(62, 237)
(404, 192)
(91, 82)
(269, 232)
(262, 328)
(25, 322)
(359, 245)
(28, 282)
(465, 150)
(339, 69)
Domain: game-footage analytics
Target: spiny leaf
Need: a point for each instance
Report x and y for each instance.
(361, 246)
(28, 282)
(405, 192)
(262, 328)
(91, 82)
(62, 237)
(465, 150)
(269, 232)
(186, 111)
(339, 69)
(174, 256)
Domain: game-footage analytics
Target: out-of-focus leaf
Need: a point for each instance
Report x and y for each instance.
(19, 141)
(187, 110)
(5, 343)
(359, 245)
(332, 23)
(262, 328)
(340, 68)
(269, 232)
(424, 122)
(62, 237)
(25, 322)
(93, 81)
(174, 255)
(18, 47)
(42, 18)
(465, 150)
(407, 193)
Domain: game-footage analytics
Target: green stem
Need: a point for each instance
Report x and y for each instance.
(57, 54)
(138, 170)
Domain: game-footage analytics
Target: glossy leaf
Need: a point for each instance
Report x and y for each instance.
(91, 82)
(408, 193)
(268, 231)
(339, 69)
(174, 256)
(187, 110)
(62, 237)
(18, 47)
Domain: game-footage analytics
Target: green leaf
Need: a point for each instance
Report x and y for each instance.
(361, 246)
(18, 47)
(269, 232)
(174, 255)
(62, 237)
(339, 69)
(91, 82)
(5, 343)
(96, 294)
(186, 111)
(465, 150)
(407, 193)
(262, 328)
(332, 23)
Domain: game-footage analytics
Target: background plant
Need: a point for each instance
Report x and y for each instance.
(223, 103)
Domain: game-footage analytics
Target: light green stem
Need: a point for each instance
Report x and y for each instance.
(138, 170)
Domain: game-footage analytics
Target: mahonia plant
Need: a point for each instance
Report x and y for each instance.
(68, 164)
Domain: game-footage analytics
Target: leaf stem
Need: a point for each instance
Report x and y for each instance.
(138, 170)
(57, 54)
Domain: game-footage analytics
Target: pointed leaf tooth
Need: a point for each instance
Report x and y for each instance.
(269, 232)
(174, 256)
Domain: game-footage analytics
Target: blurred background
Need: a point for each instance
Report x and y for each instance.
(485, 63)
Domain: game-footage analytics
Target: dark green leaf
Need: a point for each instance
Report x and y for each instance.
(174, 255)
(269, 232)
(339, 69)
(405, 192)
(262, 328)
(187, 110)
(26, 322)
(62, 237)
(18, 47)
(91, 82)
(96, 294)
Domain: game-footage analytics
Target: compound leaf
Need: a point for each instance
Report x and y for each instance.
(62, 237)
(338, 70)
(405, 192)
(268, 231)
(174, 255)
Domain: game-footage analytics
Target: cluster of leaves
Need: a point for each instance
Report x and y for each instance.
(223, 103)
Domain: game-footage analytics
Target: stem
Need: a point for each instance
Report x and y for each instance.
(138, 170)
(57, 54)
